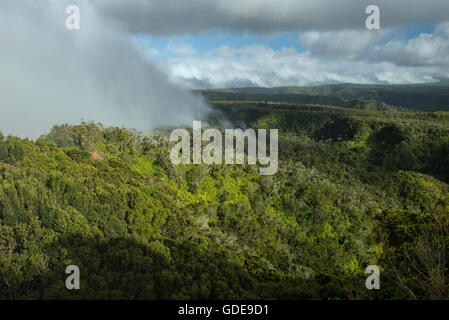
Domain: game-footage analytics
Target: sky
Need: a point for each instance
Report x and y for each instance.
(288, 43)
(133, 62)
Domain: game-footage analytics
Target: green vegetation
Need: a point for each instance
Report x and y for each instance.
(417, 97)
(354, 188)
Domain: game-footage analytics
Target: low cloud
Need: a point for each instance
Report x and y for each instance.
(51, 75)
(331, 57)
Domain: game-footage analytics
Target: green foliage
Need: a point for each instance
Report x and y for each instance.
(418, 97)
(354, 188)
(11, 149)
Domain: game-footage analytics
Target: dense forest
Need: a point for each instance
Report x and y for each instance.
(415, 97)
(355, 187)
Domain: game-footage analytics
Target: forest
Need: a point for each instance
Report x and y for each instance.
(359, 183)
(417, 97)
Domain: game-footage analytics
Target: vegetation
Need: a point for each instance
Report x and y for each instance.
(354, 188)
(416, 97)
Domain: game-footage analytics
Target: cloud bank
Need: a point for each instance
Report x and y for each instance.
(342, 56)
(338, 48)
(50, 75)
(159, 17)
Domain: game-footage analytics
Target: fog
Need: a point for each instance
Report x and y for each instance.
(51, 75)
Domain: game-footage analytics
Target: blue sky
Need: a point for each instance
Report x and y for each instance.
(216, 38)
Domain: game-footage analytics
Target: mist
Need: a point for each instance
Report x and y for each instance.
(51, 75)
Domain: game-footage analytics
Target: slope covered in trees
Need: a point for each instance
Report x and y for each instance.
(354, 188)
(416, 97)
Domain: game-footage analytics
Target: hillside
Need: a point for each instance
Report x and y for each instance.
(417, 97)
(354, 188)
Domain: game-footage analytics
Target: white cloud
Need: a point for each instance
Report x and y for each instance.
(263, 66)
(425, 50)
(50, 75)
(341, 42)
(332, 57)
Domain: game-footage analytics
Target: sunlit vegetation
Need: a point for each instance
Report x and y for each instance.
(354, 188)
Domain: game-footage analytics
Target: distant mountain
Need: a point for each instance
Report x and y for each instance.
(273, 97)
(418, 97)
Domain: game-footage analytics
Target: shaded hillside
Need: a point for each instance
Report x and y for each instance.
(419, 97)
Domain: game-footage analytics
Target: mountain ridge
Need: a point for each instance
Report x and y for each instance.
(427, 97)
